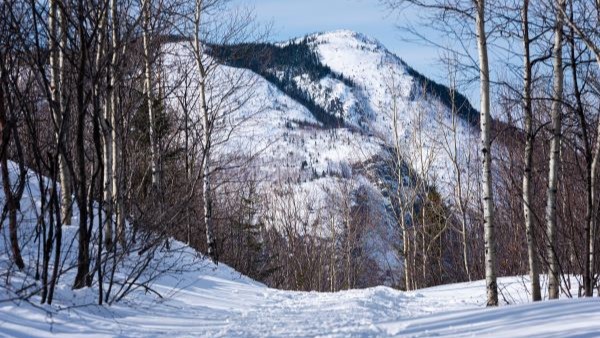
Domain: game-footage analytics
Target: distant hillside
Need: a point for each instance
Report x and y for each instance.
(280, 63)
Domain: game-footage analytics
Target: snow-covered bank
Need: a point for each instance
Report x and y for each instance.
(563, 318)
(218, 302)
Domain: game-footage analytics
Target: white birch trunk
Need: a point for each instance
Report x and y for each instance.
(149, 89)
(554, 281)
(400, 181)
(488, 199)
(58, 42)
(106, 141)
(206, 125)
(117, 197)
(528, 158)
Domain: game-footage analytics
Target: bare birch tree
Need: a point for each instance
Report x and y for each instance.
(149, 93)
(556, 114)
(459, 153)
(528, 156)
(199, 55)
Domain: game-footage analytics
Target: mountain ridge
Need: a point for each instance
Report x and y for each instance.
(320, 108)
(259, 57)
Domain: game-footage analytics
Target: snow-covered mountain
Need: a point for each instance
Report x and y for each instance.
(326, 113)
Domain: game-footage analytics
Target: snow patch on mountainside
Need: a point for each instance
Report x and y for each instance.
(427, 131)
(289, 146)
(289, 149)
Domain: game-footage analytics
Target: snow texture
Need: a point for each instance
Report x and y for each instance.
(218, 302)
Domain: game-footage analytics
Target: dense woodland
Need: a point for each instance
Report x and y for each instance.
(85, 103)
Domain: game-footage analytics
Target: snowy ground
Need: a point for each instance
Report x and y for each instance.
(218, 302)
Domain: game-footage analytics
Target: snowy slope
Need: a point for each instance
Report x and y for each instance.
(292, 147)
(384, 81)
(218, 302)
(291, 150)
(294, 150)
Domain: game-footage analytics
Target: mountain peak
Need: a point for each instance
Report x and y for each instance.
(348, 35)
(345, 33)
(342, 37)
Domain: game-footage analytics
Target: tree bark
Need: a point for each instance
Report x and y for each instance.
(117, 198)
(56, 20)
(116, 132)
(487, 198)
(82, 278)
(207, 131)
(12, 201)
(150, 96)
(66, 201)
(534, 274)
(107, 133)
(554, 281)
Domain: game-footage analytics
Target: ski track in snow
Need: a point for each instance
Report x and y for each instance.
(218, 302)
